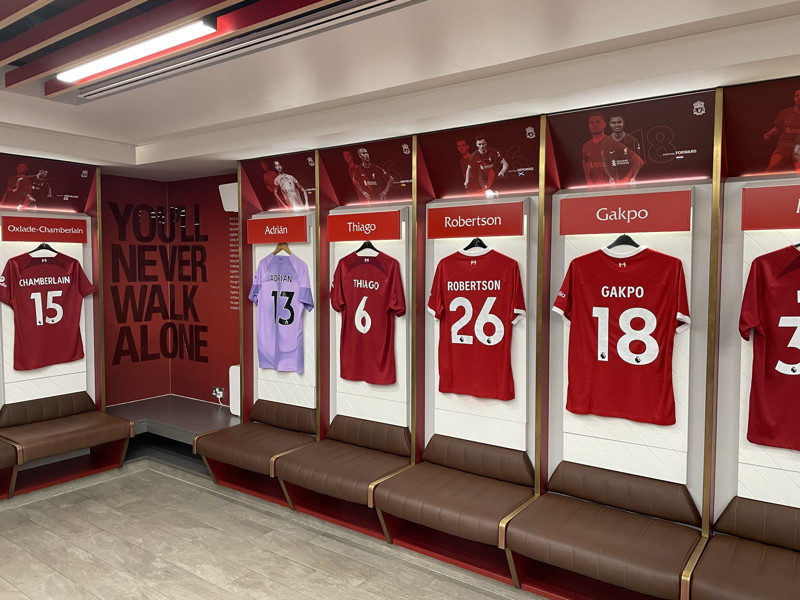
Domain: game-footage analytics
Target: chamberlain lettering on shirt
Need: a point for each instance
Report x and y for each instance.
(483, 285)
(44, 281)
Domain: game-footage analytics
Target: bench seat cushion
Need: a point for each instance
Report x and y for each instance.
(462, 504)
(738, 569)
(626, 549)
(338, 469)
(42, 439)
(8, 456)
(250, 446)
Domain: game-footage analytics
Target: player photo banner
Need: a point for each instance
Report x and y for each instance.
(771, 208)
(32, 229)
(495, 159)
(370, 173)
(39, 184)
(354, 227)
(475, 220)
(650, 140)
(626, 213)
(279, 229)
(284, 182)
(762, 128)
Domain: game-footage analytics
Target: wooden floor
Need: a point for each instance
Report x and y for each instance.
(152, 530)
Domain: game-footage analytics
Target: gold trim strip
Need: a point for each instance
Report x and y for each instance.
(100, 360)
(503, 525)
(386, 533)
(414, 317)
(542, 341)
(241, 220)
(320, 283)
(275, 457)
(712, 341)
(210, 470)
(123, 454)
(12, 486)
(512, 568)
(205, 433)
(688, 570)
(17, 446)
(374, 484)
(286, 494)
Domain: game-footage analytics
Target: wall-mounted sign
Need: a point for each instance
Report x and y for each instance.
(33, 229)
(475, 220)
(347, 227)
(657, 211)
(771, 207)
(277, 229)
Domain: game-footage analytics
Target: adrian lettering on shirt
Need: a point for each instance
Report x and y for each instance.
(278, 277)
(483, 285)
(366, 283)
(622, 291)
(620, 214)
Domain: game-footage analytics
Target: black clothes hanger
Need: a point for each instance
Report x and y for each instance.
(623, 240)
(43, 246)
(476, 243)
(367, 245)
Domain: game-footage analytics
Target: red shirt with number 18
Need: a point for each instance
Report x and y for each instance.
(477, 297)
(624, 308)
(46, 294)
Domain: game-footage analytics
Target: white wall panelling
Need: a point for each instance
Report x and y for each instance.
(501, 423)
(58, 379)
(290, 388)
(743, 468)
(382, 403)
(671, 453)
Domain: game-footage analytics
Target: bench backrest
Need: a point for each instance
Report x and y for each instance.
(653, 497)
(383, 437)
(761, 522)
(285, 416)
(504, 464)
(44, 409)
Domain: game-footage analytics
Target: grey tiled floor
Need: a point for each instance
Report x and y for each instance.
(154, 531)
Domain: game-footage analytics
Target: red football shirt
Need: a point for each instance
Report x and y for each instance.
(771, 308)
(46, 295)
(368, 292)
(624, 309)
(477, 297)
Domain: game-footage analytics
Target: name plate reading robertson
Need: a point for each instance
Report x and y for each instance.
(475, 220)
(627, 213)
(771, 207)
(32, 229)
(354, 227)
(277, 229)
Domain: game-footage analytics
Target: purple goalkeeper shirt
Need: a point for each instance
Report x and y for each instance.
(281, 291)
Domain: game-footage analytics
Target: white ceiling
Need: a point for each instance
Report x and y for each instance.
(425, 66)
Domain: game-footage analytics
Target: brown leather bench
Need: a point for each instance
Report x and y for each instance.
(275, 428)
(755, 555)
(48, 427)
(349, 463)
(629, 531)
(463, 488)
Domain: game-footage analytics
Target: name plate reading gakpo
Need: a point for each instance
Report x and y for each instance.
(475, 220)
(32, 229)
(771, 207)
(656, 211)
(354, 227)
(277, 229)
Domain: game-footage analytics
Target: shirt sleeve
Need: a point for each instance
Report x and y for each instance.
(682, 315)
(518, 295)
(563, 303)
(337, 293)
(256, 288)
(84, 285)
(748, 318)
(435, 301)
(6, 285)
(306, 299)
(397, 299)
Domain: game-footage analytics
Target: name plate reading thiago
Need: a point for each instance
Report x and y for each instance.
(627, 213)
(354, 227)
(475, 220)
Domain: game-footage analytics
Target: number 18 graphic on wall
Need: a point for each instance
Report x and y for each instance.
(46, 294)
(624, 309)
